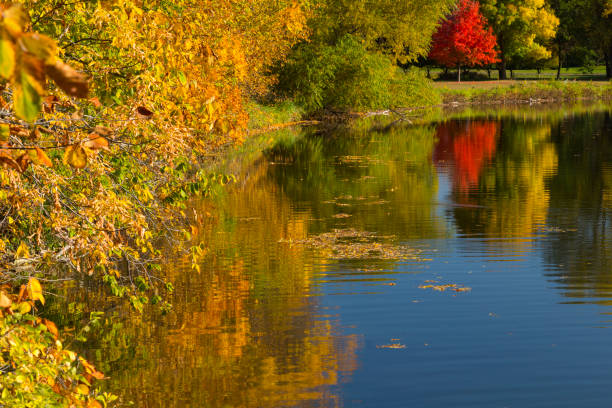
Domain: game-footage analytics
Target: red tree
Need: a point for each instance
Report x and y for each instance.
(463, 40)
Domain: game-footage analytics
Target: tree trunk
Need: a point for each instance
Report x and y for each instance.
(489, 72)
(502, 66)
(608, 57)
(511, 73)
(458, 73)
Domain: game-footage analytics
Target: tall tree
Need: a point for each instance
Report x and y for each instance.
(402, 28)
(565, 38)
(584, 24)
(596, 22)
(522, 28)
(463, 40)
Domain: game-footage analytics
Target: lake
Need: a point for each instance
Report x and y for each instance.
(461, 263)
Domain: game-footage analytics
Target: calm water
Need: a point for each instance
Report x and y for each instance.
(319, 289)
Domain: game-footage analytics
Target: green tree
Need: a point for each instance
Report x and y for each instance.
(523, 27)
(402, 28)
(596, 20)
(349, 61)
(586, 25)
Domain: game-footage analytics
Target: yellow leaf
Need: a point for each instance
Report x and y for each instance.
(40, 45)
(23, 307)
(15, 18)
(35, 290)
(7, 57)
(75, 156)
(71, 355)
(5, 132)
(82, 389)
(27, 99)
(22, 251)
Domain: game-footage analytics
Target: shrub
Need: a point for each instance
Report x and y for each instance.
(348, 76)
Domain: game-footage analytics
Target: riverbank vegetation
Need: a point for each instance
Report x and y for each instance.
(111, 112)
(526, 92)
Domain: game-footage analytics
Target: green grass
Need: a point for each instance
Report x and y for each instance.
(527, 91)
(264, 115)
(598, 73)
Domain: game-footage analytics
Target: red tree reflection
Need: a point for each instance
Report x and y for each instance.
(469, 145)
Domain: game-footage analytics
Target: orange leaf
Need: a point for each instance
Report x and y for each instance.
(96, 142)
(68, 79)
(89, 368)
(23, 161)
(92, 403)
(51, 327)
(49, 103)
(8, 161)
(43, 158)
(5, 301)
(22, 291)
(95, 102)
(102, 131)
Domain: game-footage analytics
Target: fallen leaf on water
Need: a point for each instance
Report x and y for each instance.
(392, 346)
(442, 288)
(342, 215)
(353, 244)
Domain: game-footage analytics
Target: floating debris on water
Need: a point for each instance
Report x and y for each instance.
(555, 229)
(342, 215)
(392, 346)
(353, 244)
(443, 287)
(379, 202)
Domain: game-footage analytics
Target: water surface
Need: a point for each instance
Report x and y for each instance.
(323, 282)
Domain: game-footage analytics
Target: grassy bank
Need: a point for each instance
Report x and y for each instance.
(514, 92)
(597, 73)
(264, 118)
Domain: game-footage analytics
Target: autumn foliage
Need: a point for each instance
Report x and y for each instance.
(470, 146)
(463, 40)
(111, 112)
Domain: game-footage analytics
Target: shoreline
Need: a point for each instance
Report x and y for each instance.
(524, 93)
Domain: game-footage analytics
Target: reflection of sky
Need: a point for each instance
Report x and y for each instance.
(508, 342)
(444, 195)
(512, 341)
